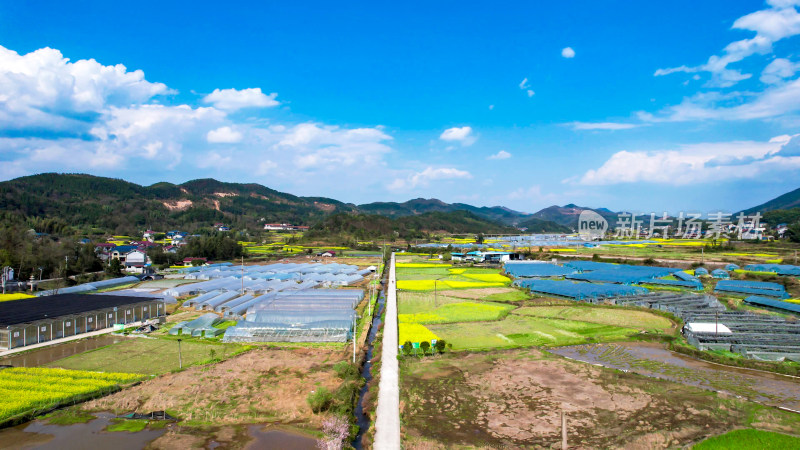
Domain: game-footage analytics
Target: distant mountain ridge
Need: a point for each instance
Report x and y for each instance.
(788, 200)
(567, 215)
(54, 201)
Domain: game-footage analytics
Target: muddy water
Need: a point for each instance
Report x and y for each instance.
(40, 435)
(653, 360)
(269, 439)
(362, 420)
(44, 355)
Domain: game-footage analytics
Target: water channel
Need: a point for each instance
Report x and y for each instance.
(362, 419)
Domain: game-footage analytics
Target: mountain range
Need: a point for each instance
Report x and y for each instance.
(83, 203)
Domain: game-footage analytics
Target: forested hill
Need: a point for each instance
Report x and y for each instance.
(86, 204)
(65, 203)
(371, 226)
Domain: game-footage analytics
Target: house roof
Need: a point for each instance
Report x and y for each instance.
(52, 306)
(125, 248)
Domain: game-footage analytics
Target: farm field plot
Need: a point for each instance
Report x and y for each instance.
(431, 276)
(263, 385)
(459, 312)
(521, 331)
(498, 294)
(654, 361)
(606, 316)
(749, 439)
(27, 389)
(147, 356)
(514, 399)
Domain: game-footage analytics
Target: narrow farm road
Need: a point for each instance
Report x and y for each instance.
(387, 422)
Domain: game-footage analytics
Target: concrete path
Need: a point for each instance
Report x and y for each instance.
(387, 423)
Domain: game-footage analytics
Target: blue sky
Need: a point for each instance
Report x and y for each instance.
(680, 106)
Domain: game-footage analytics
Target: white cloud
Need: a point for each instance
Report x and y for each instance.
(698, 163)
(232, 99)
(568, 52)
(426, 176)
(44, 90)
(502, 154)
(316, 146)
(531, 93)
(462, 135)
(602, 125)
(491, 107)
(524, 83)
(770, 25)
(778, 70)
(774, 101)
(224, 135)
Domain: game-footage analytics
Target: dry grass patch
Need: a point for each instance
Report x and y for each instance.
(263, 385)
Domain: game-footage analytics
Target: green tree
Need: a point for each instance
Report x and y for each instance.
(425, 346)
(114, 267)
(407, 348)
(440, 346)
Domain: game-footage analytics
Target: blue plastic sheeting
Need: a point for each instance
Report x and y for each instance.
(580, 291)
(533, 270)
(758, 288)
(681, 275)
(780, 269)
(622, 273)
(731, 267)
(752, 284)
(719, 273)
(632, 271)
(700, 271)
(772, 303)
(696, 285)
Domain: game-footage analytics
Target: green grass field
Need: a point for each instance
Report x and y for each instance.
(750, 439)
(519, 331)
(147, 356)
(625, 318)
(459, 312)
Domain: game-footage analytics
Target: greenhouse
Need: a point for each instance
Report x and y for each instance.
(752, 335)
(202, 326)
(779, 269)
(773, 304)
(318, 315)
(721, 274)
(681, 275)
(580, 291)
(89, 287)
(696, 285)
(731, 267)
(700, 271)
(759, 288)
(536, 270)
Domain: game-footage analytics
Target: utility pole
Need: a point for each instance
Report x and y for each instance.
(563, 430)
(180, 359)
(242, 275)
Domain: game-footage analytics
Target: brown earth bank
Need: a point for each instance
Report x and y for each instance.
(515, 398)
(264, 385)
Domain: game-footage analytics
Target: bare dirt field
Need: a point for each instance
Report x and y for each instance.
(514, 398)
(263, 385)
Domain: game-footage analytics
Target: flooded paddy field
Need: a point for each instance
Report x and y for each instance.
(514, 398)
(653, 360)
(45, 355)
(95, 433)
